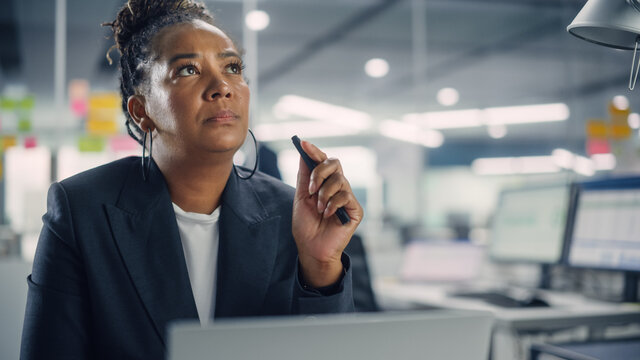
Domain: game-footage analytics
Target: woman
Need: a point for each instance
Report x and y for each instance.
(128, 247)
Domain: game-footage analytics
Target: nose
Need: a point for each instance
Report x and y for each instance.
(218, 89)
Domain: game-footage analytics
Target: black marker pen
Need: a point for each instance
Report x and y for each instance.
(341, 212)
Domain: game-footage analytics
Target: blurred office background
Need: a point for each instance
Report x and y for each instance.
(434, 107)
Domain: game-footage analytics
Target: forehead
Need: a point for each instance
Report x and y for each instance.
(192, 37)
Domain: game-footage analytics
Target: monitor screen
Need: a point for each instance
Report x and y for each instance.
(529, 224)
(606, 232)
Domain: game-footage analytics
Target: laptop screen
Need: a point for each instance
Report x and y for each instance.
(371, 336)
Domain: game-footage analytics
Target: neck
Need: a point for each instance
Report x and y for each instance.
(195, 187)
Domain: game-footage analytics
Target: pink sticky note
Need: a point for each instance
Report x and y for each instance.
(598, 146)
(30, 142)
(123, 143)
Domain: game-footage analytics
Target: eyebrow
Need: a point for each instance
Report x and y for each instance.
(182, 56)
(223, 55)
(228, 54)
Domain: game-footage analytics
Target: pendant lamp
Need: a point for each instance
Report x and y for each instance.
(612, 23)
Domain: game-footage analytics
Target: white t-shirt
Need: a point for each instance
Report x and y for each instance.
(200, 238)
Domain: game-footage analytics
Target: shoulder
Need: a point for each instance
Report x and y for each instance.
(101, 181)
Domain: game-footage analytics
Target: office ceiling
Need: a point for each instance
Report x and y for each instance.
(494, 52)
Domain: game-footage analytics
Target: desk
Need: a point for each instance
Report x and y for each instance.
(623, 349)
(567, 311)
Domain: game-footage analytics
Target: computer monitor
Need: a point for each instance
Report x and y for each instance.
(530, 224)
(606, 231)
(454, 335)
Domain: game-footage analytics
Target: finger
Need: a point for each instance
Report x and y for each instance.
(347, 200)
(334, 183)
(313, 151)
(322, 172)
(303, 179)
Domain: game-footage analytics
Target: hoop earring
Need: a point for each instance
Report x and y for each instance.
(255, 167)
(146, 167)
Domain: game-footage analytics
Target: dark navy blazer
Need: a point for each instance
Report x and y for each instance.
(109, 272)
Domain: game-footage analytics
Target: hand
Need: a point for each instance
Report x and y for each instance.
(319, 234)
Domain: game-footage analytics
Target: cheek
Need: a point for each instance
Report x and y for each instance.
(245, 96)
(158, 106)
(177, 106)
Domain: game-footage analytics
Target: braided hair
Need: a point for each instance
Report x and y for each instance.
(133, 29)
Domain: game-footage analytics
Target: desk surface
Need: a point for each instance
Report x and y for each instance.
(610, 350)
(567, 309)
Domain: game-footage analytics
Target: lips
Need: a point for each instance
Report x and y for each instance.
(223, 116)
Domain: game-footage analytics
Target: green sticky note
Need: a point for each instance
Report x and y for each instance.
(91, 144)
(7, 103)
(27, 102)
(24, 125)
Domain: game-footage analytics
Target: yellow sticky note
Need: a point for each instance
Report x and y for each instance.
(104, 101)
(597, 128)
(100, 127)
(620, 131)
(7, 142)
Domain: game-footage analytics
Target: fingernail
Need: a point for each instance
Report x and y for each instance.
(320, 207)
(312, 187)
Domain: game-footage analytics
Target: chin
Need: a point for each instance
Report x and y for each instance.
(226, 143)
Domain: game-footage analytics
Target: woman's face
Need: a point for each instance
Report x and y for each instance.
(196, 95)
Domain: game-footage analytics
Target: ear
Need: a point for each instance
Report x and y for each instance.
(136, 108)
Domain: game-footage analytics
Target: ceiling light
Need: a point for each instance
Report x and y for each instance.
(256, 20)
(446, 119)
(411, 133)
(305, 129)
(527, 114)
(604, 161)
(491, 116)
(584, 166)
(293, 105)
(376, 67)
(620, 102)
(448, 96)
(497, 131)
(514, 165)
(634, 120)
(563, 158)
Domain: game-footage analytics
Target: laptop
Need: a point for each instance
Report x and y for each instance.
(436, 334)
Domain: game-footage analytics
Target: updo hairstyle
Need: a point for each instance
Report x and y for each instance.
(133, 29)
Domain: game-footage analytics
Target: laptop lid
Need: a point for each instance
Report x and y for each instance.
(407, 335)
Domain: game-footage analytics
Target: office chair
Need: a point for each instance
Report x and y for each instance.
(363, 296)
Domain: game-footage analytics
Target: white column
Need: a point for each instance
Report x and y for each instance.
(419, 54)
(60, 58)
(250, 44)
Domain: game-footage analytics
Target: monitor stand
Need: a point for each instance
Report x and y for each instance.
(630, 293)
(545, 277)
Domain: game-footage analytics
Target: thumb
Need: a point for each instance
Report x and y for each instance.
(302, 184)
(304, 173)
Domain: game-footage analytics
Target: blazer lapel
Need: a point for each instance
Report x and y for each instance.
(247, 252)
(145, 230)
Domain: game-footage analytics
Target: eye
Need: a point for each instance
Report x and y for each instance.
(187, 70)
(235, 68)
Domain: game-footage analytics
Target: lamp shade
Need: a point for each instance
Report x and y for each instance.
(613, 23)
